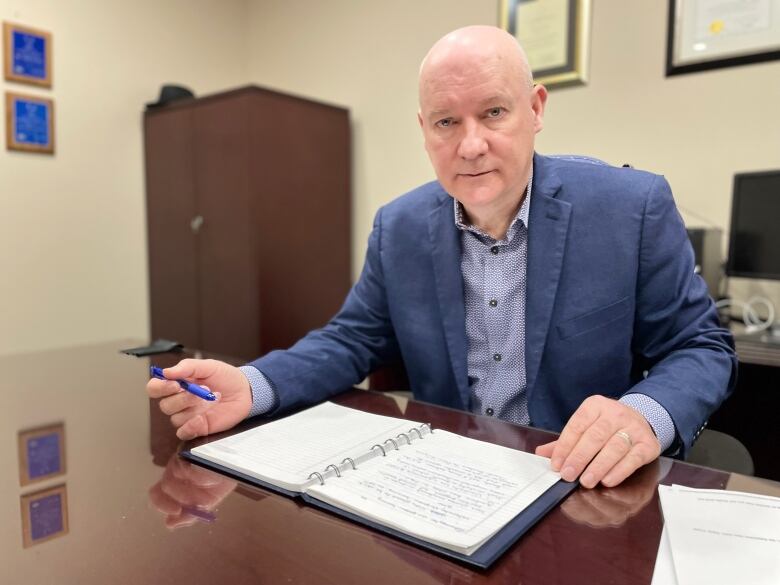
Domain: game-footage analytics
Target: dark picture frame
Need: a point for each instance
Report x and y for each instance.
(557, 41)
(28, 55)
(29, 123)
(705, 36)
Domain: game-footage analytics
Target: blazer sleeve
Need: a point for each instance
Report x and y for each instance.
(688, 357)
(342, 353)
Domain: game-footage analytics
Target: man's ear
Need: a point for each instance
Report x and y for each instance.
(419, 118)
(538, 102)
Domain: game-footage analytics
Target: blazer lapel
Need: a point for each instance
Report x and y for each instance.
(446, 253)
(548, 224)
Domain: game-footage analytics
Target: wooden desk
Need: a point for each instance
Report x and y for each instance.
(122, 470)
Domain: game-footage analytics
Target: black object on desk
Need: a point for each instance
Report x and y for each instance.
(157, 346)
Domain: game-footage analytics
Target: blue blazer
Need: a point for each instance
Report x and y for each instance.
(613, 305)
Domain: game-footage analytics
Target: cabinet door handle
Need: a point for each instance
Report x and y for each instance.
(196, 223)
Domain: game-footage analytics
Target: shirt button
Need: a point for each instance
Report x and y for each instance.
(493, 303)
(497, 357)
(494, 249)
(489, 411)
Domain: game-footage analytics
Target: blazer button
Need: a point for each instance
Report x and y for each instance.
(494, 249)
(489, 411)
(497, 357)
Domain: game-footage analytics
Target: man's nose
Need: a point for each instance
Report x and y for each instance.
(473, 143)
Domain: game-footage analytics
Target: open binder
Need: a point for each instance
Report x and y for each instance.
(430, 460)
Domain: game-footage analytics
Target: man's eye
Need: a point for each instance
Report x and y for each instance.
(445, 123)
(494, 112)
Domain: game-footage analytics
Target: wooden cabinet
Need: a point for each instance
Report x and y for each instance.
(248, 211)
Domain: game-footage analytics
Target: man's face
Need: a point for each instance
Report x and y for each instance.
(479, 124)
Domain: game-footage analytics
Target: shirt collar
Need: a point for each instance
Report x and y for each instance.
(522, 215)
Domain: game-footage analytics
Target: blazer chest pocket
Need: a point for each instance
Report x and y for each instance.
(595, 319)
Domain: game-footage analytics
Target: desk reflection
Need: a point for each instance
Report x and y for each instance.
(187, 493)
(603, 507)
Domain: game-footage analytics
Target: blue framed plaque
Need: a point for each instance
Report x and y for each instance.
(27, 55)
(41, 453)
(44, 515)
(29, 123)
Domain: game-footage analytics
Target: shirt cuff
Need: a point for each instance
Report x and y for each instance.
(656, 415)
(264, 397)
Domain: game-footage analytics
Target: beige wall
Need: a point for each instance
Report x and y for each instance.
(72, 236)
(72, 226)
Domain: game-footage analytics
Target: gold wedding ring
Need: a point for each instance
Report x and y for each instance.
(626, 437)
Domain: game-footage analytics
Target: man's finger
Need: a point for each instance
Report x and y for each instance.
(580, 421)
(179, 402)
(194, 427)
(615, 449)
(192, 369)
(591, 442)
(181, 418)
(157, 388)
(639, 455)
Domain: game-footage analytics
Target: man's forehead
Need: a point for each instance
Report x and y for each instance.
(484, 89)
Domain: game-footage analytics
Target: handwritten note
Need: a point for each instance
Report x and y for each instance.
(445, 488)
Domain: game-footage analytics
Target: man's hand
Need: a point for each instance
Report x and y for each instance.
(613, 440)
(193, 416)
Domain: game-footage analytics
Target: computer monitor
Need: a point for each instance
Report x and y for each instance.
(754, 241)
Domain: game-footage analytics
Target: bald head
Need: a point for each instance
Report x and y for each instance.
(476, 48)
(479, 114)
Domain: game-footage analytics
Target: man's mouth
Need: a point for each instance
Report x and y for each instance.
(475, 174)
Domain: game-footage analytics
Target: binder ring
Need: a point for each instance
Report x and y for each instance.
(383, 450)
(319, 476)
(336, 469)
(350, 460)
(430, 428)
(405, 436)
(393, 441)
(416, 431)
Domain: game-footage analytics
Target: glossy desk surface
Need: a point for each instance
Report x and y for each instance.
(125, 489)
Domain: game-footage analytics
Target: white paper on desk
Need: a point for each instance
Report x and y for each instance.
(663, 574)
(722, 537)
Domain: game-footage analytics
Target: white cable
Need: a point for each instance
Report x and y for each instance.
(750, 316)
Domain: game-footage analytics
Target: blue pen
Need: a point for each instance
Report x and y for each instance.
(189, 387)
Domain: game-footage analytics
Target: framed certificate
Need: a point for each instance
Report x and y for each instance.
(41, 453)
(709, 34)
(29, 123)
(555, 35)
(27, 55)
(44, 515)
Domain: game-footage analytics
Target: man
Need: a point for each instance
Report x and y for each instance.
(557, 292)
